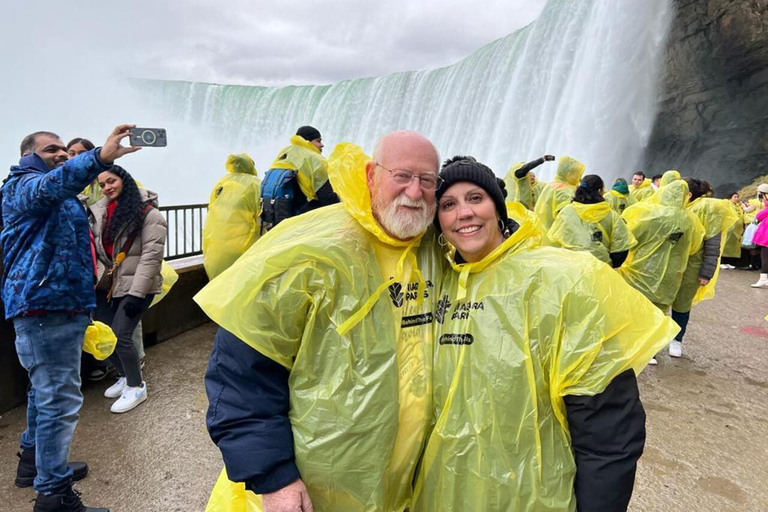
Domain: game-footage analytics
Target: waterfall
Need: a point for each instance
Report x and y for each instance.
(581, 80)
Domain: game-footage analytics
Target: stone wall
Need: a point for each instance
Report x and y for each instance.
(713, 118)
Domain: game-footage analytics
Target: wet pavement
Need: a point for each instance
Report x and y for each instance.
(707, 423)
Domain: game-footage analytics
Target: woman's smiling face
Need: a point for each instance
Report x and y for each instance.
(469, 221)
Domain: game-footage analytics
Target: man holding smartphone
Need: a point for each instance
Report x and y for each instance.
(48, 292)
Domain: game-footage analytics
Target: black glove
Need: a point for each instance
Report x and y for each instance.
(132, 305)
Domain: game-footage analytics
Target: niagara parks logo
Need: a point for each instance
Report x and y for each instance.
(443, 305)
(396, 294)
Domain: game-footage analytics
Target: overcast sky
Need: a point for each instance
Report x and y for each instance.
(252, 42)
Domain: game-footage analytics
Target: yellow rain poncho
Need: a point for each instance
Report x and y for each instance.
(667, 178)
(667, 235)
(595, 228)
(312, 168)
(716, 218)
(560, 192)
(348, 310)
(536, 189)
(519, 189)
(516, 333)
(643, 192)
(232, 224)
(732, 247)
(750, 217)
(618, 201)
(99, 340)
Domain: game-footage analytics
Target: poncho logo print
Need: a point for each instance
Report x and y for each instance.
(443, 305)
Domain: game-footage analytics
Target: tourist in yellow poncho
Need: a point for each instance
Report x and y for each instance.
(667, 235)
(537, 187)
(297, 181)
(641, 188)
(560, 192)
(319, 382)
(521, 186)
(589, 224)
(668, 177)
(700, 276)
(732, 247)
(536, 405)
(232, 224)
(618, 197)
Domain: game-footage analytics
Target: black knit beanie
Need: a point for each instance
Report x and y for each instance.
(308, 133)
(466, 169)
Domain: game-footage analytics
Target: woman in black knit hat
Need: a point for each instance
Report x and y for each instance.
(534, 388)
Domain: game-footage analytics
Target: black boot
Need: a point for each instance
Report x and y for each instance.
(27, 471)
(67, 501)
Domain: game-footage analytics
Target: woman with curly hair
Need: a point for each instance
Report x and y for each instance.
(129, 235)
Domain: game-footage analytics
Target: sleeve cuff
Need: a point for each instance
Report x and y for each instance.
(282, 475)
(97, 155)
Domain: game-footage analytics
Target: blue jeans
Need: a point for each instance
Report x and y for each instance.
(49, 349)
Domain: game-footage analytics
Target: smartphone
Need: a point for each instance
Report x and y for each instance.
(153, 137)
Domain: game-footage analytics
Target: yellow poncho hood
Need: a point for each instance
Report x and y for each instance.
(569, 171)
(241, 163)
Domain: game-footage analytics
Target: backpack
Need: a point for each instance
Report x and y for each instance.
(279, 197)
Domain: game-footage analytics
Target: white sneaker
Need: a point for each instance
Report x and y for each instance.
(723, 266)
(675, 349)
(130, 398)
(762, 282)
(653, 361)
(116, 389)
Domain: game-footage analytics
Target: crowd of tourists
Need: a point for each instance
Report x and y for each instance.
(395, 333)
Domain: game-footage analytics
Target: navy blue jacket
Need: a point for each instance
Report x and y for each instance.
(248, 399)
(45, 239)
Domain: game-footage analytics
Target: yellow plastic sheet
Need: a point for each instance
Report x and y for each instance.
(559, 193)
(360, 386)
(170, 276)
(618, 201)
(312, 168)
(99, 340)
(536, 189)
(643, 192)
(732, 247)
(536, 324)
(716, 218)
(519, 189)
(667, 235)
(232, 224)
(594, 228)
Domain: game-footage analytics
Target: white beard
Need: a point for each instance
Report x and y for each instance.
(404, 226)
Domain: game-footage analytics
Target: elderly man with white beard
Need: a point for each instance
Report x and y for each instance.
(320, 378)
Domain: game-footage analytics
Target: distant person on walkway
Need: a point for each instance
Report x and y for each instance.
(732, 248)
(319, 382)
(537, 187)
(520, 185)
(618, 197)
(129, 235)
(700, 276)
(641, 188)
(297, 182)
(560, 191)
(667, 234)
(232, 224)
(589, 224)
(761, 235)
(47, 292)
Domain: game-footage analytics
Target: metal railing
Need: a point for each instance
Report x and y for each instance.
(185, 230)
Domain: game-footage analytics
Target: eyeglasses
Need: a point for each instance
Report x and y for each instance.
(405, 177)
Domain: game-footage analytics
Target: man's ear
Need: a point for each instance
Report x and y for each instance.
(370, 170)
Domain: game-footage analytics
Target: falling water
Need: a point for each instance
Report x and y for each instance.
(581, 80)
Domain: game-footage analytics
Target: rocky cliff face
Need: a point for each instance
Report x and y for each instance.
(713, 116)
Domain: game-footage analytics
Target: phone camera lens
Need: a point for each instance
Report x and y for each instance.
(148, 137)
